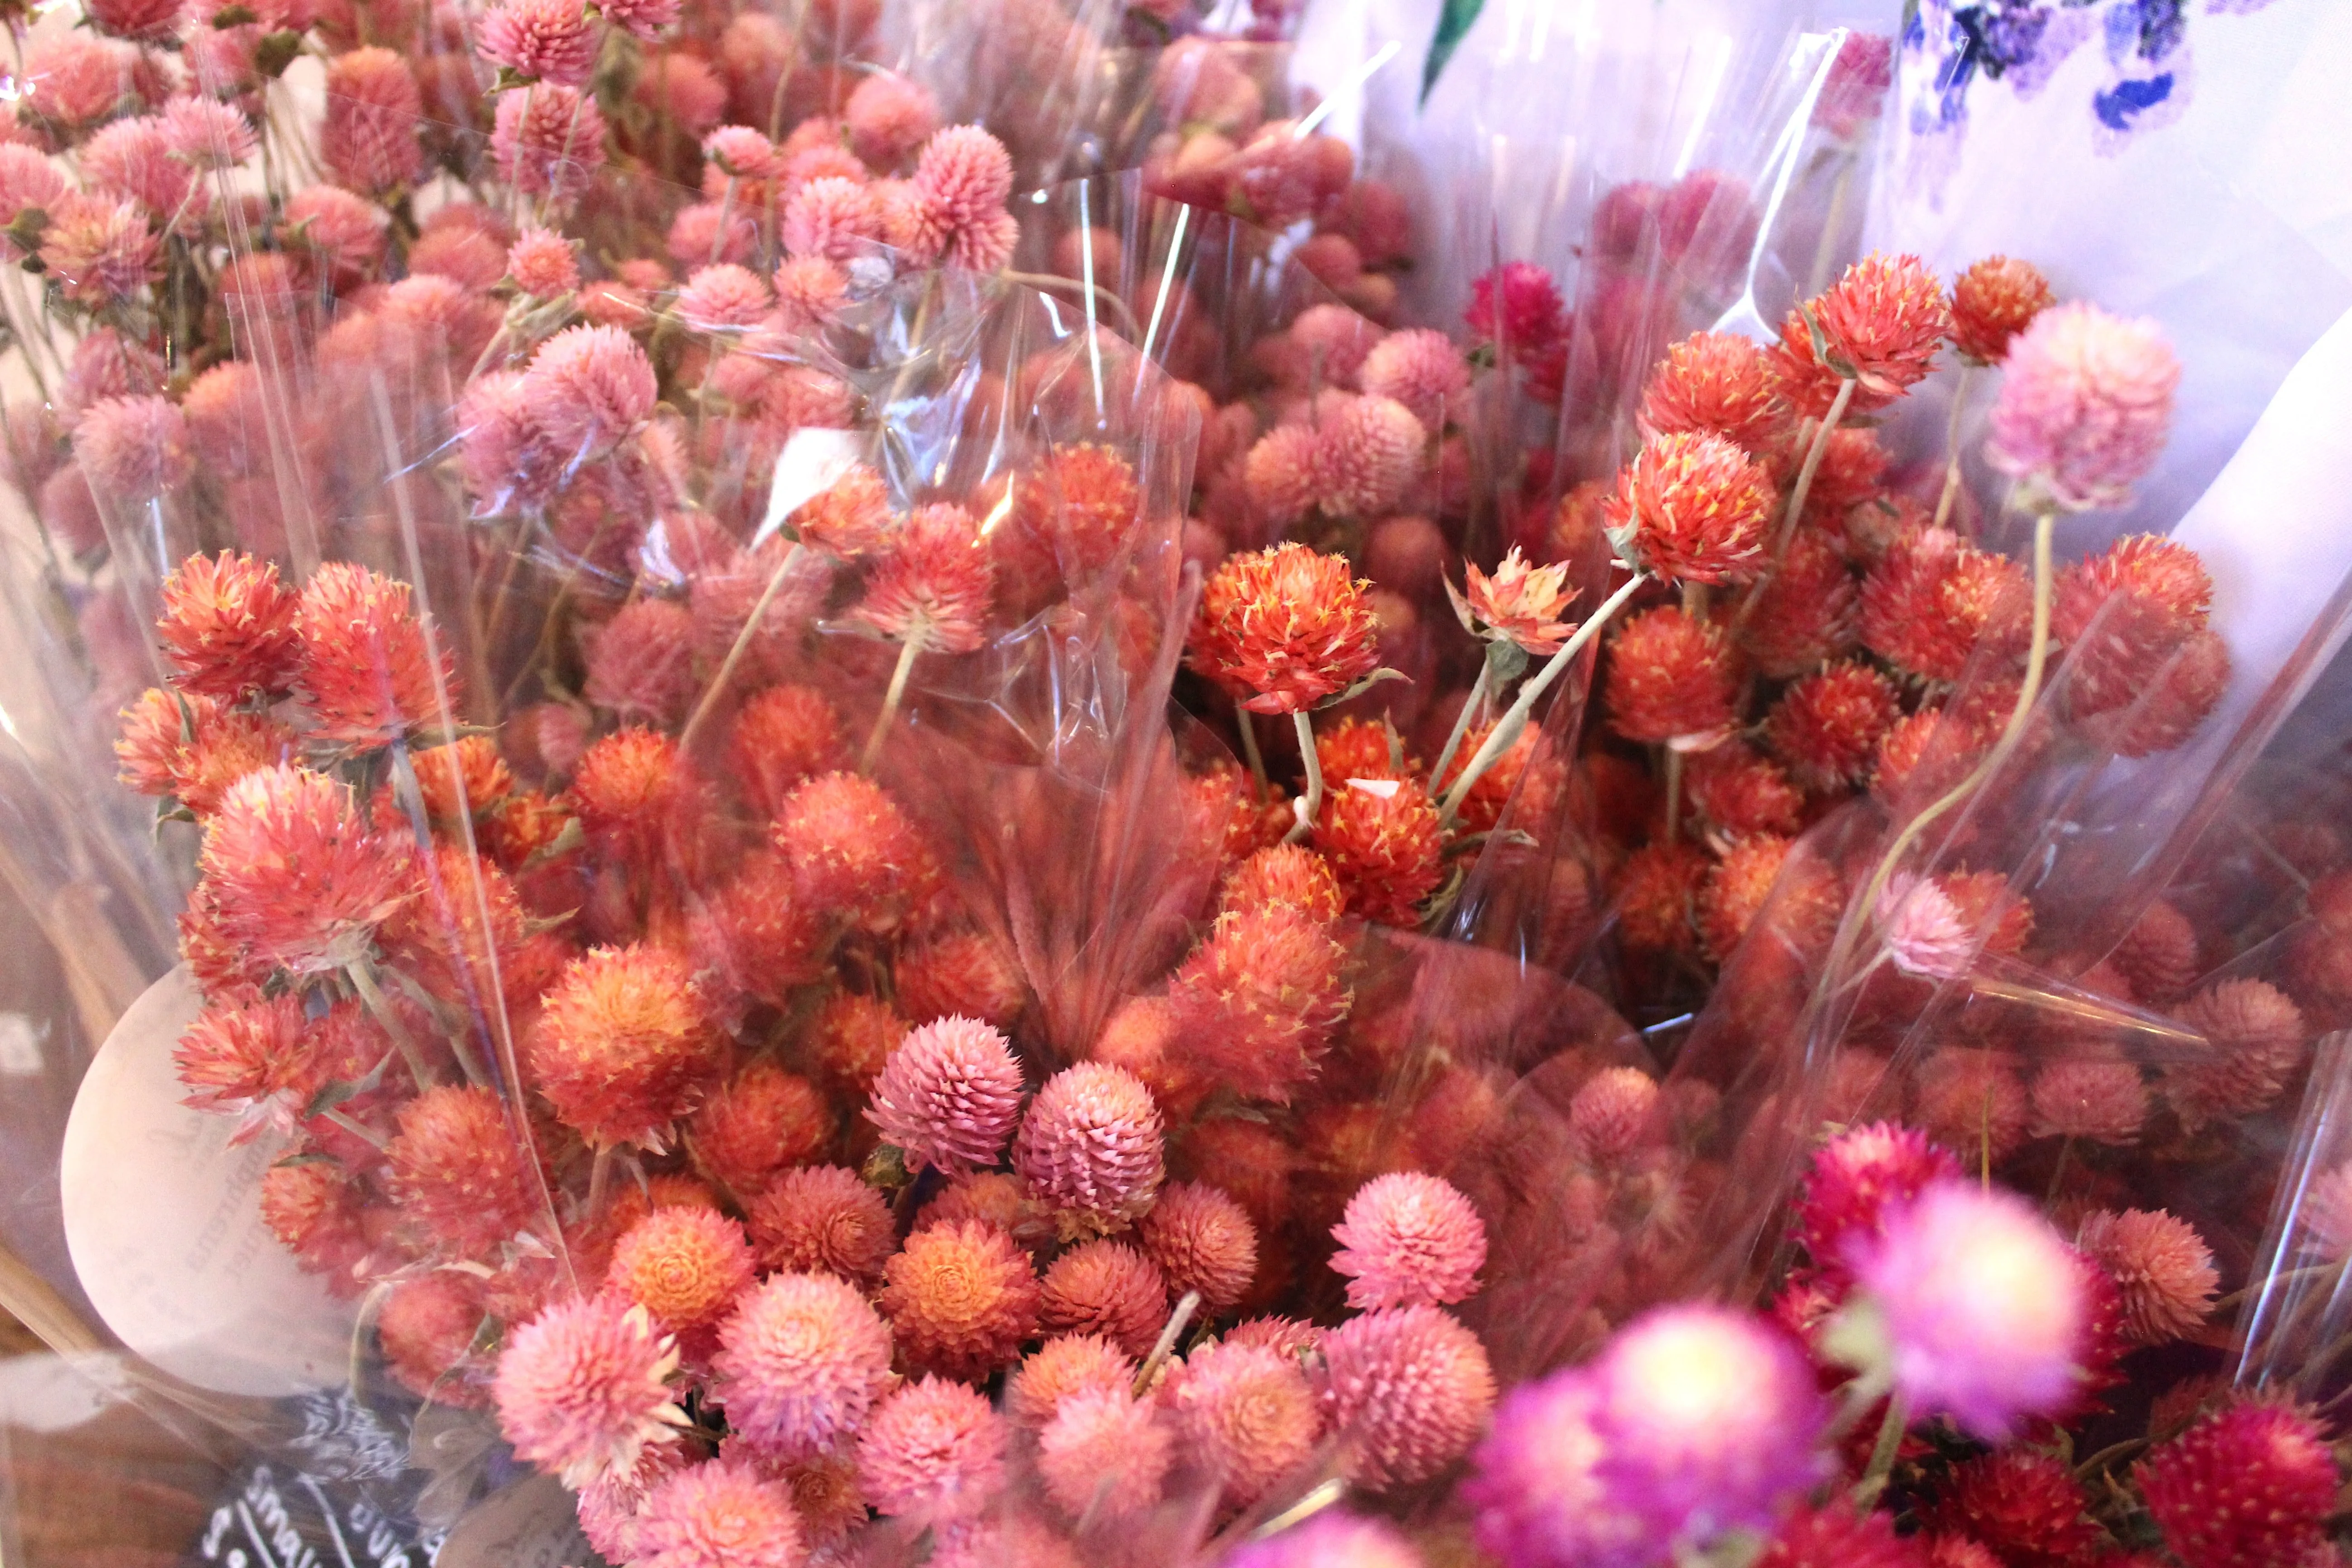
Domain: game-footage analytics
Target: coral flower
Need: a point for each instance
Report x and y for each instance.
(1852, 1180)
(779, 738)
(299, 881)
(2085, 406)
(1108, 1288)
(948, 1096)
(368, 140)
(1972, 1100)
(935, 1450)
(1657, 888)
(887, 117)
(1518, 602)
(2258, 1037)
(1284, 629)
(546, 40)
(641, 662)
(1929, 603)
(800, 1362)
(99, 249)
(631, 788)
(851, 1037)
(718, 1515)
(1279, 474)
(1090, 1147)
(1614, 1115)
(2100, 1101)
(367, 670)
(1736, 890)
(426, 1326)
(934, 587)
(1285, 874)
(851, 849)
(758, 1123)
(232, 1056)
(961, 974)
(1408, 1390)
(1994, 301)
(755, 938)
(1743, 793)
(1669, 676)
(1882, 323)
(1806, 612)
(1202, 1240)
(1382, 840)
(1260, 999)
(2159, 955)
(1691, 507)
(1062, 1366)
(962, 1298)
(542, 264)
(684, 1265)
(1983, 1305)
(624, 1044)
(1105, 1450)
(823, 1219)
(458, 1170)
(2162, 1267)
(1715, 384)
(849, 519)
(1409, 1239)
(2249, 1484)
(549, 142)
(584, 1388)
(589, 386)
(1826, 727)
(1249, 1413)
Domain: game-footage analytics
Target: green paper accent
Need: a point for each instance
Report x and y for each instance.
(1453, 23)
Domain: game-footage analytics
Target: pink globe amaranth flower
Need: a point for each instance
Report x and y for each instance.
(148, 20)
(712, 232)
(1518, 307)
(368, 140)
(1279, 474)
(948, 1096)
(27, 179)
(641, 19)
(1105, 1287)
(1614, 1115)
(887, 117)
(739, 154)
(301, 881)
(2258, 1037)
(71, 81)
(1852, 1180)
(831, 219)
(135, 158)
(2253, 1483)
(549, 142)
(2161, 1265)
(1105, 1450)
(717, 1514)
(1983, 1305)
(2099, 1101)
(1332, 1539)
(99, 249)
(1925, 933)
(1420, 369)
(1090, 1146)
(542, 264)
(1407, 1390)
(1250, 1415)
(134, 449)
(809, 290)
(1368, 453)
(966, 174)
(589, 387)
(724, 297)
(851, 850)
(1202, 1240)
(1536, 1497)
(1409, 1239)
(342, 232)
(584, 1388)
(1708, 1420)
(544, 40)
(207, 135)
(2085, 406)
(935, 585)
(1691, 507)
(934, 1450)
(800, 1362)
(1062, 1366)
(641, 662)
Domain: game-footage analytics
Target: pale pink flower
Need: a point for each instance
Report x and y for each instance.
(584, 1388)
(590, 387)
(641, 19)
(134, 158)
(206, 134)
(719, 1514)
(706, 232)
(98, 250)
(800, 1362)
(71, 80)
(344, 231)
(546, 40)
(722, 299)
(830, 217)
(935, 1450)
(948, 1096)
(542, 264)
(27, 179)
(809, 289)
(738, 153)
(1106, 1450)
(549, 142)
(106, 365)
(134, 449)
(2085, 406)
(1368, 453)
(368, 140)
(1409, 1239)
(1925, 933)
(1090, 1147)
(2161, 1265)
(888, 117)
(966, 174)
(1422, 370)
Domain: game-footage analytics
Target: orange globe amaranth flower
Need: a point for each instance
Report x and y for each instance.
(461, 937)
(2122, 614)
(365, 669)
(1691, 507)
(1807, 612)
(1529, 759)
(850, 518)
(1826, 728)
(1994, 301)
(1881, 323)
(633, 788)
(755, 937)
(296, 878)
(1202, 1240)
(851, 849)
(965, 973)
(1853, 469)
(465, 778)
(1657, 894)
(1715, 384)
(1383, 843)
(1064, 1365)
(934, 586)
(188, 746)
(1363, 749)
(850, 1036)
(426, 1326)
(458, 1170)
(2190, 687)
(313, 1210)
(1742, 794)
(962, 1298)
(227, 627)
(1669, 676)
(781, 737)
(1090, 503)
(684, 1265)
(1932, 600)
(154, 728)
(1105, 1287)
(240, 744)
(1735, 891)
(1987, 908)
(1518, 602)
(756, 1125)
(1259, 1000)
(623, 1045)
(1285, 629)
(1286, 874)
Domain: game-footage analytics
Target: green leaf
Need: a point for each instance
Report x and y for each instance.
(1505, 662)
(275, 52)
(1383, 673)
(1453, 23)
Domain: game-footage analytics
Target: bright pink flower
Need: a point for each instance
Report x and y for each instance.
(948, 1096)
(799, 1364)
(368, 139)
(2253, 1483)
(1409, 1239)
(809, 290)
(2085, 406)
(718, 1514)
(1519, 306)
(1852, 1180)
(151, 20)
(545, 41)
(1406, 1390)
(549, 142)
(1090, 1147)
(584, 1388)
(1332, 1539)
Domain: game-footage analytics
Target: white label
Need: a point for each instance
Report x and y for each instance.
(163, 1219)
(20, 1046)
(811, 461)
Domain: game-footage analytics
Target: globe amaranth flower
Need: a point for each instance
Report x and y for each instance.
(1202, 1240)
(1383, 841)
(623, 1045)
(2025, 1506)
(1691, 507)
(1090, 1147)
(1932, 601)
(1517, 305)
(948, 1096)
(755, 1125)
(800, 1362)
(961, 1298)
(1983, 1307)
(1248, 1412)
(754, 939)
(132, 450)
(1409, 1239)
(550, 142)
(1420, 369)
(821, 1219)
(366, 667)
(1993, 301)
(1656, 893)
(1881, 324)
(1063, 1365)
(1284, 629)
(545, 41)
(2162, 1267)
(584, 1388)
(2085, 406)
(2252, 1483)
(1106, 1450)
(299, 881)
(684, 1265)
(935, 1449)
(2258, 1037)
(1260, 999)
(1827, 726)
(934, 586)
(1807, 613)
(781, 736)
(368, 140)
(1614, 1114)
(1853, 1180)
(1669, 676)
(1107, 1288)
(1717, 383)
(1518, 602)
(1407, 1390)
(1284, 874)
(717, 1514)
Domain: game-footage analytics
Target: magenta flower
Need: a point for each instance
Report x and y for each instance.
(2086, 404)
(1539, 1499)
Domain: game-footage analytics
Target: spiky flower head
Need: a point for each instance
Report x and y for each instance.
(1838, 1536)
(1409, 1239)
(1202, 1240)
(589, 386)
(584, 1388)
(1283, 874)
(850, 1038)
(1260, 997)
(1669, 676)
(1691, 507)
(1614, 1114)
(1421, 369)
(934, 1450)
(1407, 1390)
(1090, 1146)
(1105, 1287)
(186, 745)
(1657, 895)
(821, 1219)
(1826, 727)
(624, 1044)
(1517, 604)
(1284, 629)
(718, 1514)
(1383, 841)
(962, 1298)
(1742, 793)
(2258, 1037)
(456, 1169)
(684, 1265)
(1105, 1451)
(1062, 1366)
(550, 142)
(1717, 384)
(934, 586)
(545, 41)
(1736, 890)
(1983, 1307)
(2027, 1506)
(2085, 406)
(1807, 613)
(2098, 1102)
(800, 1362)
(2162, 1267)
(2252, 1483)
(368, 140)
(779, 738)
(1249, 1413)
(1516, 305)
(1932, 600)
(1851, 1182)
(1993, 301)
(1368, 452)
(227, 627)
(948, 1096)
(850, 847)
(297, 878)
(366, 670)
(1881, 324)
(755, 1125)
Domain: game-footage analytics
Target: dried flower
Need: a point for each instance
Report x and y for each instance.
(2085, 406)
(935, 1449)
(948, 1095)
(2099, 1101)
(1249, 1414)
(631, 788)
(98, 248)
(366, 668)
(1062, 1366)
(1366, 455)
(850, 1036)
(1420, 370)
(1409, 1239)
(1517, 603)
(641, 662)
(935, 585)
(800, 1362)
(1090, 1146)
(1826, 727)
(719, 1514)
(1882, 323)
(823, 1219)
(546, 40)
(1383, 841)
(1202, 1240)
(1837, 1536)
(1932, 601)
(1284, 874)
(542, 265)
(1669, 676)
(625, 1043)
(300, 881)
(758, 941)
(1517, 306)
(779, 738)
(2258, 1038)
(1535, 1484)
(589, 386)
(1408, 1390)
(550, 142)
(962, 1298)
(1656, 894)
(2160, 1263)
(1284, 629)
(2159, 955)
(1717, 383)
(2027, 1506)
(2249, 1484)
(1691, 507)
(368, 139)
(888, 117)
(1743, 793)
(1853, 1180)
(584, 1388)
(851, 849)
(1260, 998)
(1994, 301)
(1106, 1289)
(1614, 1114)
(426, 1326)
(1104, 1449)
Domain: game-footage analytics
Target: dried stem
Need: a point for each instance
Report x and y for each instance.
(1470, 706)
(1313, 800)
(892, 699)
(735, 650)
(1882, 1454)
(1952, 446)
(378, 1007)
(1166, 1345)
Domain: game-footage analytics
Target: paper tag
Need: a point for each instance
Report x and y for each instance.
(163, 1219)
(534, 1523)
(812, 460)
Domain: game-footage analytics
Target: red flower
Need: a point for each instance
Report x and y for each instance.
(1881, 322)
(1827, 726)
(2026, 1506)
(1806, 612)
(1691, 507)
(1381, 840)
(1284, 629)
(1656, 889)
(1517, 305)
(1994, 301)
(1669, 676)
(1715, 384)
(2250, 1485)
(227, 627)
(1742, 794)
(1932, 600)
(365, 670)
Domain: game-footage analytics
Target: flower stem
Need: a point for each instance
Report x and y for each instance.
(378, 1007)
(736, 649)
(1882, 1454)
(600, 1181)
(1952, 446)
(1804, 487)
(1312, 801)
(1673, 793)
(1247, 725)
(359, 1129)
(1166, 1345)
(892, 699)
(1470, 706)
(1507, 729)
